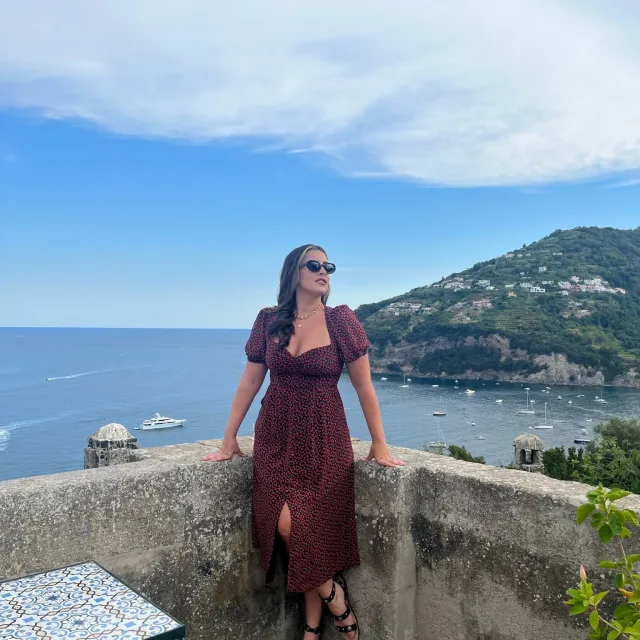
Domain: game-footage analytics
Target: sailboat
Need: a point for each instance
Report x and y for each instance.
(529, 410)
(404, 384)
(601, 399)
(438, 446)
(544, 425)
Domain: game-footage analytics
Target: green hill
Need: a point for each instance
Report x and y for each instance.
(564, 310)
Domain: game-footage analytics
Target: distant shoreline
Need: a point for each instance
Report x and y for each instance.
(416, 376)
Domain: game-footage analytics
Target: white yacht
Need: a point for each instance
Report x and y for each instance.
(383, 379)
(469, 391)
(160, 422)
(404, 384)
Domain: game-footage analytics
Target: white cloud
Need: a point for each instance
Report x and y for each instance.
(453, 93)
(631, 182)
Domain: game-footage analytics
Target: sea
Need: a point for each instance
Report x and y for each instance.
(58, 386)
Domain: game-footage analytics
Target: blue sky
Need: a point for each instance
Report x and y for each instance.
(156, 166)
(101, 230)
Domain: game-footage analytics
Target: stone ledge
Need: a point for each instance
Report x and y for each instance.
(179, 530)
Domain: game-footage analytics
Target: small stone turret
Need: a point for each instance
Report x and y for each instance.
(528, 450)
(111, 444)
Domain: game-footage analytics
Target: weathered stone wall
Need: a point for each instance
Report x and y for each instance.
(450, 550)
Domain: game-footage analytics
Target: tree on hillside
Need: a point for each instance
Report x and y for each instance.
(604, 461)
(461, 453)
(626, 433)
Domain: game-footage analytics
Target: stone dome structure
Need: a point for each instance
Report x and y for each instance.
(528, 449)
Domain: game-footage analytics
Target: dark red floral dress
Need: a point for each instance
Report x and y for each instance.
(302, 452)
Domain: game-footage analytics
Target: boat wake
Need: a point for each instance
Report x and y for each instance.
(92, 373)
(14, 426)
(77, 375)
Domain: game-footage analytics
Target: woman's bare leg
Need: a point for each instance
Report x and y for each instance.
(313, 612)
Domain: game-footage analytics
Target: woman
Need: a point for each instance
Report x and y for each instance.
(303, 476)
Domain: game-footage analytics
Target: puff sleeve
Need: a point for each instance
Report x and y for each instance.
(256, 347)
(350, 334)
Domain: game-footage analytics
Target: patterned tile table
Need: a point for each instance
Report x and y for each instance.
(83, 601)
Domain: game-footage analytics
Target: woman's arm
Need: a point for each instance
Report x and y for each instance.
(360, 375)
(248, 387)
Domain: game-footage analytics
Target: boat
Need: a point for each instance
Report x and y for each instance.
(469, 391)
(404, 384)
(580, 396)
(408, 379)
(583, 439)
(438, 446)
(529, 410)
(589, 419)
(498, 401)
(570, 402)
(559, 398)
(456, 387)
(544, 425)
(441, 412)
(160, 422)
(601, 399)
(383, 379)
(479, 437)
(435, 386)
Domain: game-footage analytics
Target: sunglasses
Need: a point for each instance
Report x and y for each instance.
(314, 266)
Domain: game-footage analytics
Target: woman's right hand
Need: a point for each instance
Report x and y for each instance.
(228, 449)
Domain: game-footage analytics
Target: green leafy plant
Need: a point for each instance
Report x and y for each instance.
(611, 522)
(461, 453)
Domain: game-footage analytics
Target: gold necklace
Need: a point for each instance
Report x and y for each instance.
(301, 318)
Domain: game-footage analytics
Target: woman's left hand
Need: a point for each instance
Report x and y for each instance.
(380, 453)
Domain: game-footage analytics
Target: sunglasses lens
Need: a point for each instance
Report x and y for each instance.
(314, 266)
(329, 267)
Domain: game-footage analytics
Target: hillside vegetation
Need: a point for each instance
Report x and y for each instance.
(565, 309)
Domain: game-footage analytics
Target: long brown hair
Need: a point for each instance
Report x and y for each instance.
(281, 326)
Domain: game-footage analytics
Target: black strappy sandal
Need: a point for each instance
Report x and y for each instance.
(314, 630)
(340, 579)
